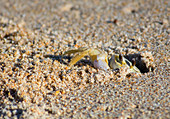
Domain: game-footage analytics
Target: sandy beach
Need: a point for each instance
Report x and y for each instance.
(36, 81)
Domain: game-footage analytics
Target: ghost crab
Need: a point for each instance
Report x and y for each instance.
(100, 60)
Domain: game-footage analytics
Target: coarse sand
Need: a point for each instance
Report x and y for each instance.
(36, 82)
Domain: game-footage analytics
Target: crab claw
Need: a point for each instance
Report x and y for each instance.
(100, 60)
(100, 64)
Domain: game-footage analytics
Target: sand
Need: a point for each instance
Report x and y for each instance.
(36, 82)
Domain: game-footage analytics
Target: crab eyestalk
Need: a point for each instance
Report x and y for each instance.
(133, 62)
(122, 60)
(117, 61)
(120, 57)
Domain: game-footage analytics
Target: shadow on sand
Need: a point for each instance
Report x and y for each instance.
(62, 60)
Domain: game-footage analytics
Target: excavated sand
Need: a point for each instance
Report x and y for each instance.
(36, 82)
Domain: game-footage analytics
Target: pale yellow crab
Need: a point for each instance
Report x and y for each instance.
(99, 59)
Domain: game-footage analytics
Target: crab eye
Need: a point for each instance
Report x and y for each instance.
(133, 62)
(120, 57)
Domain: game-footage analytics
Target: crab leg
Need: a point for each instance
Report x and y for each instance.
(74, 51)
(78, 57)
